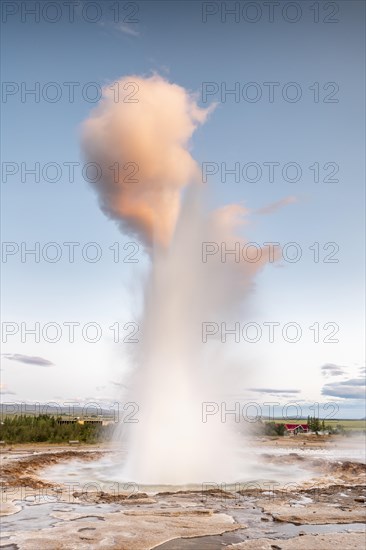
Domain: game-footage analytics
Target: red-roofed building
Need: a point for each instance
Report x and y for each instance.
(297, 428)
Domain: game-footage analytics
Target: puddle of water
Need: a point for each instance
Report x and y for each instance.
(277, 531)
(34, 516)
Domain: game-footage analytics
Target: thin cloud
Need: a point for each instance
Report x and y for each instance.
(126, 29)
(4, 390)
(354, 388)
(329, 369)
(350, 392)
(28, 359)
(271, 390)
(354, 382)
(119, 384)
(274, 206)
(120, 27)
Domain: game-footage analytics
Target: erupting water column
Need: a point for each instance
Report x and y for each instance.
(177, 373)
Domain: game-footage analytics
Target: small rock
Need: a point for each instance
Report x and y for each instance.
(360, 499)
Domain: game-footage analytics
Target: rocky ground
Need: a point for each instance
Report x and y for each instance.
(326, 510)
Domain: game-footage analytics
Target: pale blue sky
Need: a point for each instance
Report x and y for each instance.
(171, 39)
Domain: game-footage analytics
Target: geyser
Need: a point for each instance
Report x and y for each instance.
(176, 372)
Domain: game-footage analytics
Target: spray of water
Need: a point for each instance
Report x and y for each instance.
(176, 373)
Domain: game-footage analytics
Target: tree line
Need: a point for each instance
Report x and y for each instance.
(48, 429)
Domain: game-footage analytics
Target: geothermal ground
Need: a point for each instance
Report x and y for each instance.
(323, 508)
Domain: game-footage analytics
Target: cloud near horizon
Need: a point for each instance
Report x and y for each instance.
(354, 388)
(4, 390)
(271, 390)
(28, 359)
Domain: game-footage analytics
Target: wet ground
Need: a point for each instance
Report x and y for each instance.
(323, 508)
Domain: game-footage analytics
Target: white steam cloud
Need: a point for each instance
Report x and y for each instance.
(176, 371)
(141, 144)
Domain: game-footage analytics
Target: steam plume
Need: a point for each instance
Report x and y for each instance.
(176, 372)
(141, 145)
